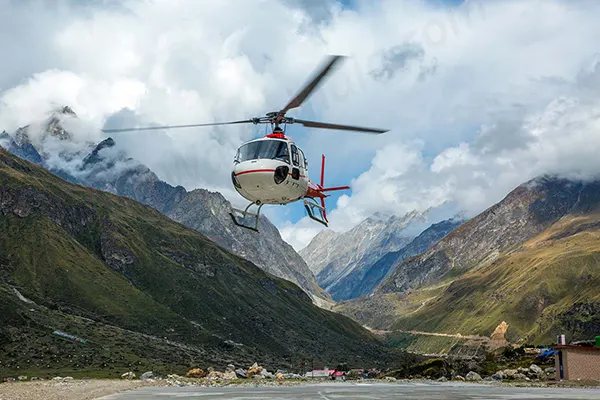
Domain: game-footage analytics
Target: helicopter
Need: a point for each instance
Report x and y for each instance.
(273, 169)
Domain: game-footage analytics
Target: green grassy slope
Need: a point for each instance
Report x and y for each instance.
(107, 268)
(547, 287)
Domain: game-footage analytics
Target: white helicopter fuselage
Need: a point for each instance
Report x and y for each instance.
(270, 171)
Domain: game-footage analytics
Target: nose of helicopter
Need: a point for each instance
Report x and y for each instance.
(258, 179)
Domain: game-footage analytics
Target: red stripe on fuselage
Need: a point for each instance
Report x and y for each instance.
(252, 171)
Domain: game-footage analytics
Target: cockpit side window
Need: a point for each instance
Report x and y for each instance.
(295, 155)
(301, 158)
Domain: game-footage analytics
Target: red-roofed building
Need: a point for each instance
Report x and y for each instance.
(338, 375)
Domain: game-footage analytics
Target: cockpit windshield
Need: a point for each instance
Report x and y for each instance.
(265, 149)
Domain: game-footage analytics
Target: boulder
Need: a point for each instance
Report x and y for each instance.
(473, 376)
(535, 369)
(510, 373)
(214, 375)
(266, 374)
(229, 375)
(241, 373)
(196, 373)
(498, 376)
(230, 368)
(126, 375)
(520, 377)
(280, 376)
(147, 375)
(550, 371)
(536, 372)
(254, 370)
(442, 379)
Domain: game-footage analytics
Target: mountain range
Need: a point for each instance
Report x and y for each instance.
(531, 260)
(107, 167)
(91, 281)
(376, 245)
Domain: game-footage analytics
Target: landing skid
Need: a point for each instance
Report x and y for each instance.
(310, 207)
(244, 214)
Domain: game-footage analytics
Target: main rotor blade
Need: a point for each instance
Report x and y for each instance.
(311, 85)
(325, 125)
(148, 128)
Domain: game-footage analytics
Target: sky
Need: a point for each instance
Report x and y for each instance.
(479, 96)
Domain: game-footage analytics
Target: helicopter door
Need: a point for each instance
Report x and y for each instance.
(295, 162)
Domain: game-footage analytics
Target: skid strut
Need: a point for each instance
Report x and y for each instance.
(310, 207)
(246, 213)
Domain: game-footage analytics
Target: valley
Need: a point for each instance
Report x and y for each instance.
(418, 284)
(303, 199)
(537, 272)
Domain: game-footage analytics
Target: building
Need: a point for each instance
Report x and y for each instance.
(577, 362)
(338, 375)
(319, 373)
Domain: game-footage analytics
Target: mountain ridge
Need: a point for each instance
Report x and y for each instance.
(532, 260)
(376, 235)
(109, 269)
(107, 167)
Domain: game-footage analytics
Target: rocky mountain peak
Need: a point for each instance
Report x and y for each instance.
(21, 136)
(94, 157)
(53, 126)
(68, 111)
(328, 257)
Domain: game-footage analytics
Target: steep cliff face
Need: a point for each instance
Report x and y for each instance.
(522, 214)
(106, 167)
(364, 282)
(342, 259)
(208, 212)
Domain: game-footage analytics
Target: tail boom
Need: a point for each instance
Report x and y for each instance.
(318, 191)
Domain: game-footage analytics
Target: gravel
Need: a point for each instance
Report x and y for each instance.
(66, 390)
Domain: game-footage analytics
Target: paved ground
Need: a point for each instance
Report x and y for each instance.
(65, 390)
(353, 391)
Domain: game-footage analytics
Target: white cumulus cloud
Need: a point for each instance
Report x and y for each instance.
(478, 98)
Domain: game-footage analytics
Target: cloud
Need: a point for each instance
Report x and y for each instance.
(478, 97)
